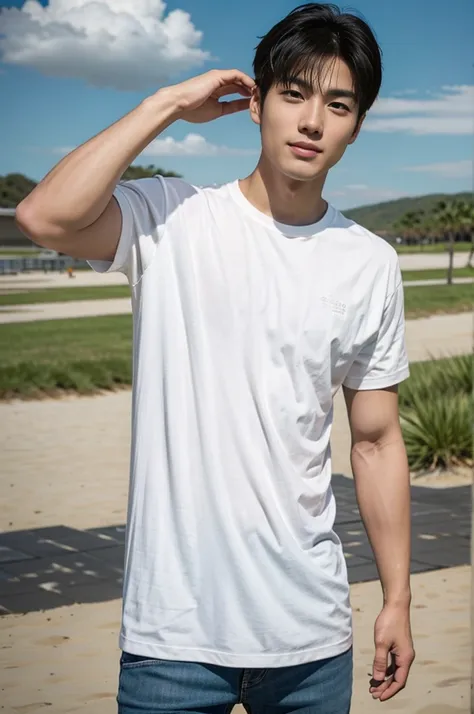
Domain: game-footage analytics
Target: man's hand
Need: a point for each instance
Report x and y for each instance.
(198, 98)
(392, 639)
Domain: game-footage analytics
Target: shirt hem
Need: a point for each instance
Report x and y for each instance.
(379, 382)
(226, 659)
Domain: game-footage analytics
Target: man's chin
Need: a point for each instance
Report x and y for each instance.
(304, 173)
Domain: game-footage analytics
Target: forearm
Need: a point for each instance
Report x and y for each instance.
(77, 190)
(382, 483)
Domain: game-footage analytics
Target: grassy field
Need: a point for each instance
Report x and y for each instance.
(82, 354)
(86, 355)
(48, 295)
(438, 300)
(434, 248)
(66, 294)
(436, 274)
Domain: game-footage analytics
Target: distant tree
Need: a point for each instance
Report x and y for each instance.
(14, 188)
(409, 226)
(466, 210)
(137, 172)
(449, 217)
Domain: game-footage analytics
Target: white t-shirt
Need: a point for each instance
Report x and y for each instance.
(244, 329)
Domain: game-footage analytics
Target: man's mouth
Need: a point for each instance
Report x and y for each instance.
(305, 148)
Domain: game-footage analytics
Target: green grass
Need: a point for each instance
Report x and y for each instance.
(84, 355)
(433, 248)
(436, 274)
(438, 300)
(65, 294)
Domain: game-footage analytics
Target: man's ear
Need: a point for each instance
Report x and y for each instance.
(255, 107)
(357, 129)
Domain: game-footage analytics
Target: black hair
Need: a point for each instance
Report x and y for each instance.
(307, 39)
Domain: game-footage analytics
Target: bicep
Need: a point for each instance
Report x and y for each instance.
(373, 414)
(98, 241)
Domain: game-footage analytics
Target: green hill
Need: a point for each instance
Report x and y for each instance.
(378, 217)
(381, 217)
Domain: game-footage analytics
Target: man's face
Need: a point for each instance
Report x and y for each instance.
(323, 117)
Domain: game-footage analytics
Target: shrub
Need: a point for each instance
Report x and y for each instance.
(436, 410)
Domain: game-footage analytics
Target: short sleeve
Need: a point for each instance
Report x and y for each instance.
(145, 205)
(383, 361)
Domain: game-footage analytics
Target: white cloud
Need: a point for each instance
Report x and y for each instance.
(191, 145)
(449, 169)
(121, 44)
(445, 112)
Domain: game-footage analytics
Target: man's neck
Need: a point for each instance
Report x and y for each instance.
(295, 203)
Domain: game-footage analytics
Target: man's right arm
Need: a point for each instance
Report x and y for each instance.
(73, 210)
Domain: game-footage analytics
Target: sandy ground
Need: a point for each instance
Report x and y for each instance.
(66, 660)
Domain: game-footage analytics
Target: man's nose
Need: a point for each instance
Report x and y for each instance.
(312, 121)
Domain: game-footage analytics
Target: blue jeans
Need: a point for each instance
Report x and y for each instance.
(155, 686)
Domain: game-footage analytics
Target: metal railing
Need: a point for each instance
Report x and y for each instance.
(20, 264)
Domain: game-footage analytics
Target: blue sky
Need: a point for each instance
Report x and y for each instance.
(69, 68)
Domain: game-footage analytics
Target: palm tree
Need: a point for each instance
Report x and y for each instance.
(408, 226)
(467, 222)
(428, 228)
(448, 217)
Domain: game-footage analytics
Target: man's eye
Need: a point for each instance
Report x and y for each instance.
(293, 94)
(340, 106)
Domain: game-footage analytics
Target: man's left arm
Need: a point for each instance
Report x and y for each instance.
(382, 484)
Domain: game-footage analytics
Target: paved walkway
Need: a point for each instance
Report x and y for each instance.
(430, 261)
(63, 310)
(427, 261)
(51, 567)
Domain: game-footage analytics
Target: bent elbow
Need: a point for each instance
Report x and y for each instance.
(29, 222)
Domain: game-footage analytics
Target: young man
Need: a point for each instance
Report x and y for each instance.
(253, 304)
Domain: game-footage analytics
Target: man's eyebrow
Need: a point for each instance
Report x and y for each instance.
(331, 92)
(300, 82)
(336, 92)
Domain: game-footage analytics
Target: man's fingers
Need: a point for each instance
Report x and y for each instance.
(380, 665)
(235, 76)
(238, 105)
(377, 692)
(231, 89)
(399, 678)
(398, 683)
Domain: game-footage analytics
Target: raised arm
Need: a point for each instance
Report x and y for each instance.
(73, 210)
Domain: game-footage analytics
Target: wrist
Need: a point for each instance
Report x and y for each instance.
(165, 105)
(400, 599)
